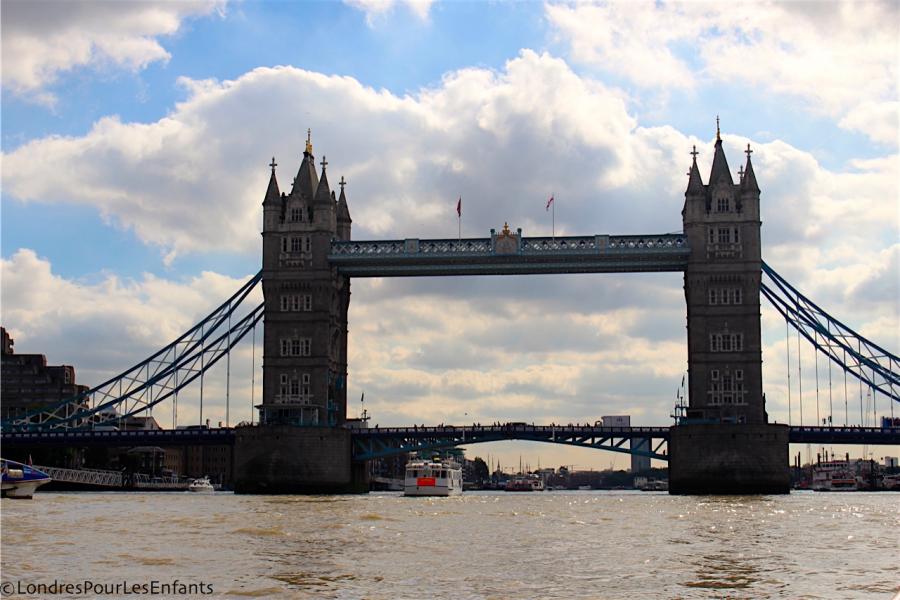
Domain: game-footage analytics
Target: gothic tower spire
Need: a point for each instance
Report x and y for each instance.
(719, 171)
(748, 183)
(695, 182)
(306, 182)
(272, 193)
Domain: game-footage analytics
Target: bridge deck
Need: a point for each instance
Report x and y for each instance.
(390, 440)
(519, 255)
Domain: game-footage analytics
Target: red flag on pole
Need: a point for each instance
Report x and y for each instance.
(459, 207)
(549, 202)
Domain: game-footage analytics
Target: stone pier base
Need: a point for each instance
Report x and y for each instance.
(729, 459)
(282, 459)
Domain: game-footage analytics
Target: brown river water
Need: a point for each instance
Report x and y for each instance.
(479, 545)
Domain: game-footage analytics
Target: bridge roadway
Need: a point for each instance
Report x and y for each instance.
(387, 441)
(509, 253)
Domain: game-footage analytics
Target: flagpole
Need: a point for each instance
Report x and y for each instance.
(553, 208)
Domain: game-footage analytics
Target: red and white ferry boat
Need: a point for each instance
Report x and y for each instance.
(432, 478)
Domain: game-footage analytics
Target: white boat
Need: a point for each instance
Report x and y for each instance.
(20, 481)
(432, 478)
(201, 486)
(835, 476)
(527, 483)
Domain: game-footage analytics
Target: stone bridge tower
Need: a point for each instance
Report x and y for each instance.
(721, 287)
(725, 446)
(306, 301)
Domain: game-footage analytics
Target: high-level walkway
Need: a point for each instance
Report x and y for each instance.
(511, 255)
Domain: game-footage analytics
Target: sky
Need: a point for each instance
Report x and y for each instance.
(136, 138)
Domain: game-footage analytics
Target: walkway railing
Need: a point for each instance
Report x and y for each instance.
(510, 253)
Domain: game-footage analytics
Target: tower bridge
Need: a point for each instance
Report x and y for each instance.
(303, 443)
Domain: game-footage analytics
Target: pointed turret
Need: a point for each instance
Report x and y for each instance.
(272, 194)
(720, 164)
(343, 210)
(306, 182)
(695, 182)
(343, 213)
(323, 192)
(748, 183)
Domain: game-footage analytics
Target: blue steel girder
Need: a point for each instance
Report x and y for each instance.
(863, 359)
(391, 441)
(73, 438)
(872, 436)
(519, 256)
(154, 379)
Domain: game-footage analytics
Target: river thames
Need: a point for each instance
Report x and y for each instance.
(479, 545)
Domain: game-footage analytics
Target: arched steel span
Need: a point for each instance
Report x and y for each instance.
(865, 360)
(181, 362)
(157, 377)
(391, 441)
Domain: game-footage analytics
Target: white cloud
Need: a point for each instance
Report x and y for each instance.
(376, 9)
(839, 58)
(104, 325)
(43, 39)
(430, 350)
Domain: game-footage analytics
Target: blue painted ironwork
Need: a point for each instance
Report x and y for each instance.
(392, 441)
(870, 363)
(389, 441)
(872, 436)
(521, 255)
(113, 438)
(155, 378)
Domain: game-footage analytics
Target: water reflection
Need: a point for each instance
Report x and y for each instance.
(543, 545)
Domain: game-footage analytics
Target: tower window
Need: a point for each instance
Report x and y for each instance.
(723, 205)
(296, 214)
(295, 244)
(284, 244)
(307, 302)
(726, 342)
(296, 346)
(724, 235)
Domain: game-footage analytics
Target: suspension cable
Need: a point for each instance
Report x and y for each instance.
(816, 357)
(253, 376)
(228, 377)
(846, 405)
(787, 351)
(800, 378)
(830, 399)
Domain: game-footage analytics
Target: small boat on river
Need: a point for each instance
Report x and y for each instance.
(432, 478)
(201, 486)
(528, 483)
(20, 481)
